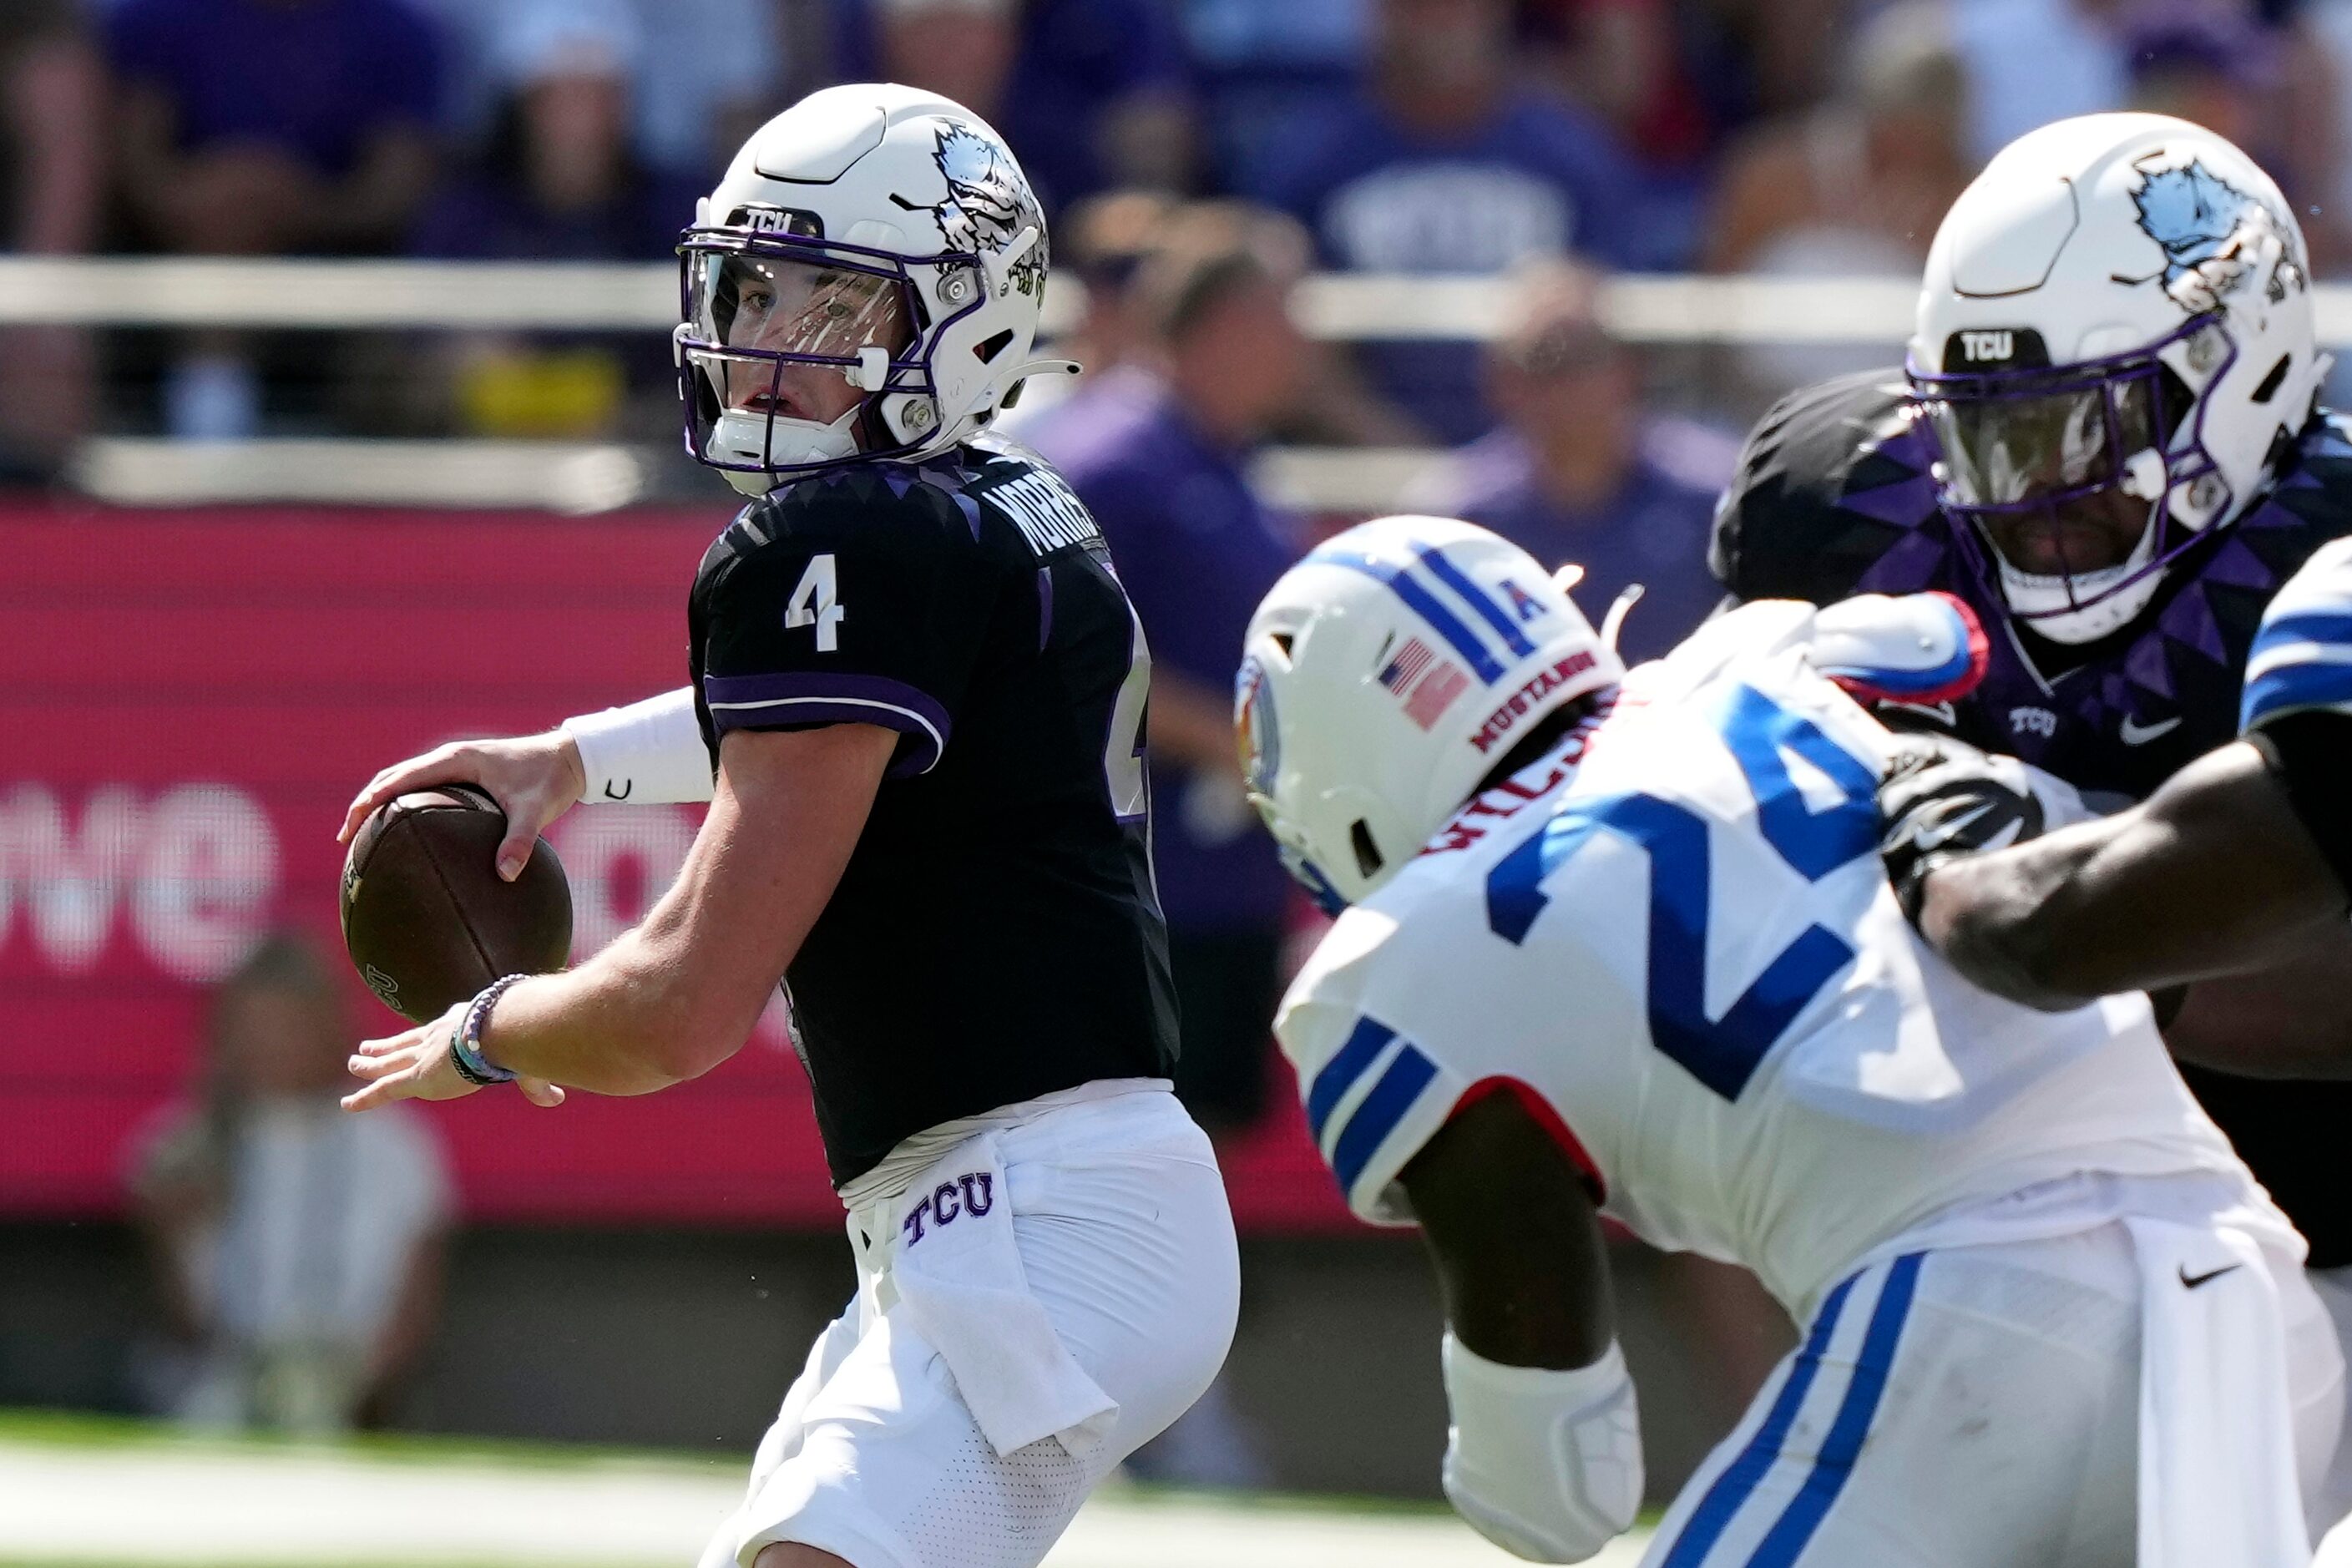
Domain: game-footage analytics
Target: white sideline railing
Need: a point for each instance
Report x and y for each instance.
(575, 476)
(643, 297)
(583, 477)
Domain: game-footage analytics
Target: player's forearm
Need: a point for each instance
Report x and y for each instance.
(2002, 919)
(631, 1020)
(2215, 875)
(674, 997)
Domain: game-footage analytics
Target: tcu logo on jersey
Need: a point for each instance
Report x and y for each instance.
(1981, 348)
(973, 1194)
(2032, 721)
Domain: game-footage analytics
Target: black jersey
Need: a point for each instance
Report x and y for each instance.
(995, 935)
(1833, 498)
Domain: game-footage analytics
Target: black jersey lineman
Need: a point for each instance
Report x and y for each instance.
(995, 935)
(1833, 498)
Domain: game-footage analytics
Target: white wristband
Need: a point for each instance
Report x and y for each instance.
(1547, 1465)
(647, 754)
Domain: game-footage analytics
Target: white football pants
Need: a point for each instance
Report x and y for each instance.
(1967, 1408)
(1118, 1218)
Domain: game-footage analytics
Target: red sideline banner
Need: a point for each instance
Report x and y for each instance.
(188, 699)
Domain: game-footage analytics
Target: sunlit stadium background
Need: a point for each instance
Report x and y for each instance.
(272, 520)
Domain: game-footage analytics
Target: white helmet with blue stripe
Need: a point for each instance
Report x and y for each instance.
(1388, 673)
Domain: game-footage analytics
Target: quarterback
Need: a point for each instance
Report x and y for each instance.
(1620, 945)
(916, 711)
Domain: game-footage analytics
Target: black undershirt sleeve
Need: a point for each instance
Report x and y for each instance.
(2310, 753)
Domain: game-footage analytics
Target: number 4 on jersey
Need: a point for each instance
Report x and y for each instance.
(817, 602)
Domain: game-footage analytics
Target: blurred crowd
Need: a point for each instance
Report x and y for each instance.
(1399, 136)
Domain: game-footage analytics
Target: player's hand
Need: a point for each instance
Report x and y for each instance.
(1943, 798)
(415, 1064)
(534, 778)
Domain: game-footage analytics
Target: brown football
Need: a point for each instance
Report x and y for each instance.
(425, 918)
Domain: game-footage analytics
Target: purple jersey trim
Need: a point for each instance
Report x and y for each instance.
(797, 698)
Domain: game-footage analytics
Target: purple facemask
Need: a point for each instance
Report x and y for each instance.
(754, 302)
(2019, 440)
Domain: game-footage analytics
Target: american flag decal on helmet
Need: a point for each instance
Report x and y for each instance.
(1426, 682)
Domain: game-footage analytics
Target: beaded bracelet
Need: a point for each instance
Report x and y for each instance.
(465, 1042)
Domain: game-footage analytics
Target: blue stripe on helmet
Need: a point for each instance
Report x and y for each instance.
(1478, 599)
(1423, 603)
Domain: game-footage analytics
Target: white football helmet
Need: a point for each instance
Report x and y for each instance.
(1385, 676)
(877, 231)
(2119, 302)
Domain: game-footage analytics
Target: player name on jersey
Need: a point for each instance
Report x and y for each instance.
(1049, 516)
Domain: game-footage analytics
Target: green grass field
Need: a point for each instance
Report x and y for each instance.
(80, 1492)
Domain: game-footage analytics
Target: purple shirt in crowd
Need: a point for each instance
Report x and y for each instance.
(1539, 178)
(483, 217)
(1075, 61)
(1196, 549)
(1653, 532)
(316, 78)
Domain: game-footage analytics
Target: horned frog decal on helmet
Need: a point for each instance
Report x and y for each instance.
(2214, 237)
(988, 204)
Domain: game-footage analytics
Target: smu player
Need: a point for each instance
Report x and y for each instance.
(1627, 950)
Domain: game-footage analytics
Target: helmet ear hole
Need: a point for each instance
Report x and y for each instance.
(2173, 396)
(1368, 854)
(2268, 388)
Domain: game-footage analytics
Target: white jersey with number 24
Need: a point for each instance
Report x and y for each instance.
(1671, 937)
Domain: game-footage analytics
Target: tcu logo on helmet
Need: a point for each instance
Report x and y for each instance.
(2212, 235)
(988, 204)
(1980, 348)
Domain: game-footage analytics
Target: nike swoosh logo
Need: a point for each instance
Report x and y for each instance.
(1952, 830)
(2193, 1280)
(2135, 733)
(1941, 712)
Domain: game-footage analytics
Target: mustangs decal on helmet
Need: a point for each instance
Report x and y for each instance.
(1388, 673)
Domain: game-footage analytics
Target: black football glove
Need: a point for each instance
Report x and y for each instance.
(1943, 798)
